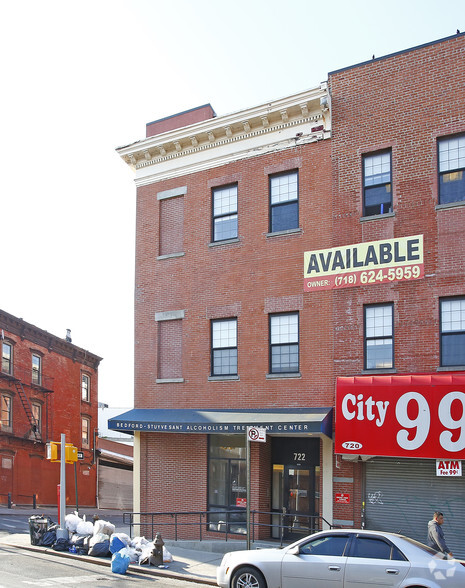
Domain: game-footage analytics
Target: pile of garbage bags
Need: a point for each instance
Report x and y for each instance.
(97, 538)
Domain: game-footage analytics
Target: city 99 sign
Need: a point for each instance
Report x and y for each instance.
(414, 415)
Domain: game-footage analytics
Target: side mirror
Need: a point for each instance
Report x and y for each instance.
(295, 550)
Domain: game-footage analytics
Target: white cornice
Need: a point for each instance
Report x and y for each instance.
(284, 123)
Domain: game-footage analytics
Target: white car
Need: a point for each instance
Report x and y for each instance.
(351, 558)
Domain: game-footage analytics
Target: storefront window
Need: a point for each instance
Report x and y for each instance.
(227, 480)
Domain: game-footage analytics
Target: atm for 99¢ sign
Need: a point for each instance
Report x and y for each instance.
(415, 415)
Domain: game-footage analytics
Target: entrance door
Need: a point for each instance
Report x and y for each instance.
(295, 486)
(294, 501)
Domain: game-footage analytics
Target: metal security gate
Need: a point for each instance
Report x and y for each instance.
(402, 494)
(114, 487)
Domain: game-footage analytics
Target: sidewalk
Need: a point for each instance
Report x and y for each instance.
(188, 564)
(192, 561)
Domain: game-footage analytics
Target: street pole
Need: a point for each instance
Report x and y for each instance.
(248, 487)
(62, 532)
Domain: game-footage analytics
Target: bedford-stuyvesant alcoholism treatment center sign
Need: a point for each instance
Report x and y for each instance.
(374, 262)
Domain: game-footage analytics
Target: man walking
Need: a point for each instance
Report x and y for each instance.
(436, 534)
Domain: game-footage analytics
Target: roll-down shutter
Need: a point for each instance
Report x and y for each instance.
(402, 494)
(115, 487)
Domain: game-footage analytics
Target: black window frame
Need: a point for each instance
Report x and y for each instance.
(377, 337)
(276, 345)
(304, 548)
(217, 217)
(366, 189)
(395, 554)
(280, 205)
(229, 348)
(448, 172)
(444, 335)
(230, 517)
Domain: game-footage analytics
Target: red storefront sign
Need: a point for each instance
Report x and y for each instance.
(414, 415)
(342, 498)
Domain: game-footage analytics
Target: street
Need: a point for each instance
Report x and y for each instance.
(24, 568)
(18, 522)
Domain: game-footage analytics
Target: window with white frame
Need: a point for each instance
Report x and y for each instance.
(224, 347)
(7, 358)
(85, 432)
(379, 340)
(453, 332)
(284, 201)
(377, 188)
(6, 411)
(85, 387)
(451, 155)
(225, 213)
(284, 343)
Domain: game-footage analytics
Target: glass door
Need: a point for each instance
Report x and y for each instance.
(293, 500)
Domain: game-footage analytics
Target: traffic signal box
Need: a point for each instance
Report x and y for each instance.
(54, 454)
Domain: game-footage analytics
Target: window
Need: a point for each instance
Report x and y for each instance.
(453, 332)
(171, 227)
(377, 193)
(224, 347)
(85, 387)
(374, 548)
(227, 482)
(85, 428)
(284, 202)
(333, 545)
(7, 358)
(451, 154)
(6, 408)
(225, 213)
(36, 369)
(379, 351)
(170, 349)
(37, 414)
(284, 343)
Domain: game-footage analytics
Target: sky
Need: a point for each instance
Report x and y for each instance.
(80, 78)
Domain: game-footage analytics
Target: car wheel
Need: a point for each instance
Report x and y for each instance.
(248, 577)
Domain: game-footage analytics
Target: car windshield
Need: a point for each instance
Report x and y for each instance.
(424, 547)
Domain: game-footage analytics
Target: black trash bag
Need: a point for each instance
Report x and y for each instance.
(38, 526)
(101, 549)
(61, 544)
(78, 540)
(49, 538)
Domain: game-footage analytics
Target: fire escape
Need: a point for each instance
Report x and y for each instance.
(21, 380)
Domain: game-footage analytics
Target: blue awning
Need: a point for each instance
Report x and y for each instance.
(277, 421)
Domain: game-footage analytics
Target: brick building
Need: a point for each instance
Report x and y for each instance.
(48, 386)
(297, 261)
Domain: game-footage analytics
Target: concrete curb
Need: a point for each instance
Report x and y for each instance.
(167, 573)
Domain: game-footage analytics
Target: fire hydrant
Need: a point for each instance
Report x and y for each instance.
(156, 559)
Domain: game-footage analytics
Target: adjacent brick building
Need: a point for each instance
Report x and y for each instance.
(297, 260)
(48, 386)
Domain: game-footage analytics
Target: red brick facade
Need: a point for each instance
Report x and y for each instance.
(401, 104)
(24, 469)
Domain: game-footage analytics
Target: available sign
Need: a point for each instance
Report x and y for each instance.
(342, 498)
(413, 415)
(374, 262)
(448, 468)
